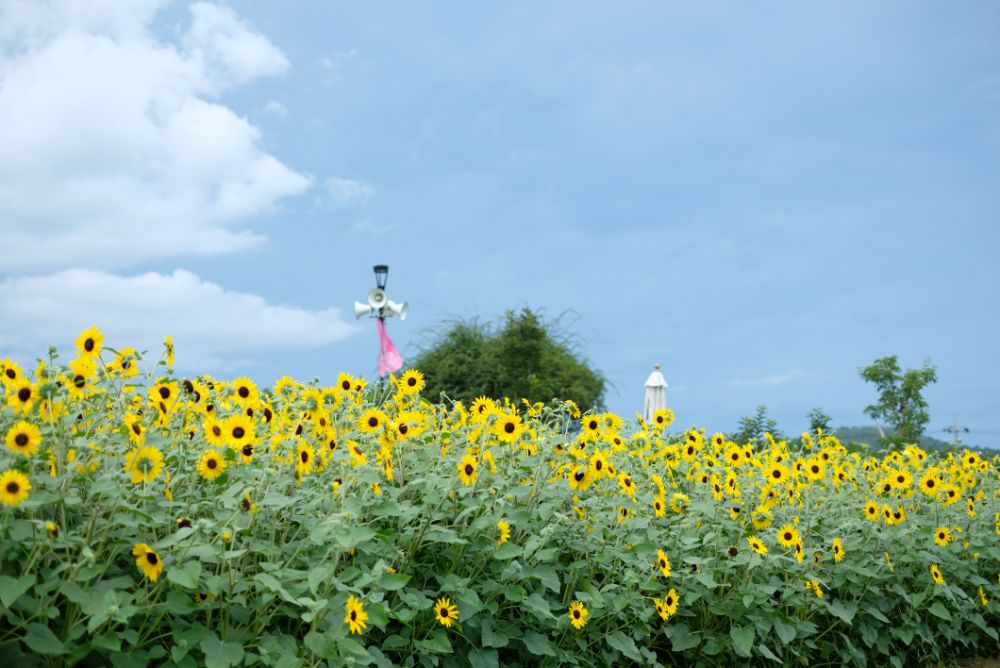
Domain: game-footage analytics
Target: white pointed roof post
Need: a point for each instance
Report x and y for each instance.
(656, 394)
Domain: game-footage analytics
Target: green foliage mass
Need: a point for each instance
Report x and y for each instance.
(900, 401)
(523, 357)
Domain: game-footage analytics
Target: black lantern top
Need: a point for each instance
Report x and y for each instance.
(381, 274)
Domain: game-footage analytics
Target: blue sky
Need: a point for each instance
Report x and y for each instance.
(763, 199)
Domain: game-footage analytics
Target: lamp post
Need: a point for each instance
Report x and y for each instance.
(381, 307)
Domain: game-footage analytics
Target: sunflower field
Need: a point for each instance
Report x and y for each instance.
(152, 519)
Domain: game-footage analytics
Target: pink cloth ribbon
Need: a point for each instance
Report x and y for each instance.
(389, 360)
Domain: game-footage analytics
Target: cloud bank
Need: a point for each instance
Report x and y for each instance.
(115, 148)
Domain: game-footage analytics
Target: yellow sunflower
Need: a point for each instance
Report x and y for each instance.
(503, 527)
(445, 612)
(788, 536)
(838, 550)
(936, 574)
(9, 371)
(756, 545)
(663, 562)
(211, 465)
(508, 427)
(126, 363)
(21, 396)
(578, 614)
(24, 438)
(468, 469)
(372, 420)
(670, 603)
(245, 391)
(14, 487)
(356, 616)
(144, 464)
(148, 561)
(304, 456)
(942, 536)
(238, 430)
(90, 342)
(411, 382)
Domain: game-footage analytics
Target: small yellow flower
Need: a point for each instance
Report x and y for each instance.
(148, 561)
(445, 611)
(504, 528)
(578, 614)
(356, 617)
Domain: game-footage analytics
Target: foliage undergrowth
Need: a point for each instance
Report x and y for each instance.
(318, 494)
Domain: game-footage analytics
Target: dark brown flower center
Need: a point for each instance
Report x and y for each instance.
(212, 463)
(787, 536)
(24, 393)
(13, 487)
(217, 430)
(88, 345)
(239, 432)
(354, 615)
(509, 427)
(247, 450)
(469, 468)
(576, 614)
(304, 456)
(21, 440)
(152, 558)
(244, 392)
(411, 381)
(373, 422)
(164, 392)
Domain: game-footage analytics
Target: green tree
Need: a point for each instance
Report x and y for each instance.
(818, 420)
(753, 428)
(523, 356)
(900, 402)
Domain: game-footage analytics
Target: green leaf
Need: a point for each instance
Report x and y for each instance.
(354, 537)
(220, 654)
(742, 639)
(763, 649)
(483, 658)
(938, 610)
(537, 604)
(11, 589)
(681, 638)
(843, 611)
(40, 639)
(538, 644)
(507, 551)
(624, 644)
(437, 643)
(786, 633)
(185, 576)
(394, 581)
(490, 638)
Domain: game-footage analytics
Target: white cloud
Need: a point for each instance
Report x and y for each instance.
(213, 328)
(275, 108)
(770, 379)
(369, 228)
(114, 148)
(348, 193)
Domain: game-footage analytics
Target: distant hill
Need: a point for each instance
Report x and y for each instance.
(870, 435)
